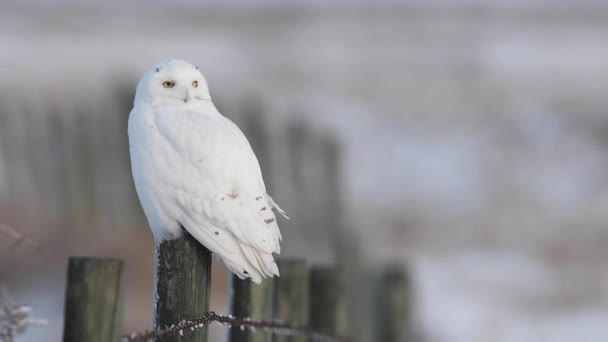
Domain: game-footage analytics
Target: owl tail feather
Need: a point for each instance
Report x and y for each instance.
(276, 206)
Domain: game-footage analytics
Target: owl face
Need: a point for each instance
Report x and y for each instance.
(174, 82)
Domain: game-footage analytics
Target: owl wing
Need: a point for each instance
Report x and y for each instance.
(221, 195)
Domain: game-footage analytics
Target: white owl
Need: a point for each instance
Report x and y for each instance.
(193, 167)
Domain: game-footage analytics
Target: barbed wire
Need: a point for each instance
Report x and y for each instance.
(276, 327)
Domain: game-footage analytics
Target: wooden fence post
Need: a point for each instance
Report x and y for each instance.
(327, 301)
(291, 295)
(183, 279)
(254, 301)
(93, 304)
(393, 314)
(362, 282)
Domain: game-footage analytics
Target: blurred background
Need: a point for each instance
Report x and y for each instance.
(463, 138)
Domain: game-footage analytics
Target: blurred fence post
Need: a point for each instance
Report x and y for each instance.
(254, 126)
(291, 295)
(332, 178)
(327, 301)
(93, 304)
(183, 279)
(254, 301)
(393, 300)
(310, 208)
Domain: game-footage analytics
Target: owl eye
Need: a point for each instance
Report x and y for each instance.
(195, 84)
(168, 84)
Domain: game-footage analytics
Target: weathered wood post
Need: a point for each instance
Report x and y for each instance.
(183, 278)
(254, 301)
(362, 283)
(327, 301)
(291, 295)
(393, 315)
(93, 304)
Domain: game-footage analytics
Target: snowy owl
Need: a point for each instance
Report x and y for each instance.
(194, 168)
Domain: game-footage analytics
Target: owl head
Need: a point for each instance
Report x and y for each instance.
(174, 82)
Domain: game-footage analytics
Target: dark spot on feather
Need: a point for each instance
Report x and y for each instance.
(233, 195)
(157, 69)
(222, 198)
(245, 272)
(269, 221)
(263, 208)
(217, 233)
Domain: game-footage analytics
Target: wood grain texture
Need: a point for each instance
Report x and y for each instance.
(93, 305)
(183, 281)
(254, 301)
(291, 295)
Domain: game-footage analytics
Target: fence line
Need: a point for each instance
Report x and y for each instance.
(276, 327)
(94, 300)
(85, 150)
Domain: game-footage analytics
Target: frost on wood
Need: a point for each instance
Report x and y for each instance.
(276, 327)
(14, 319)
